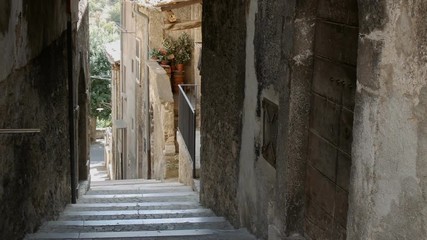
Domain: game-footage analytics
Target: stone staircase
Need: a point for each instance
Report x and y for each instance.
(139, 209)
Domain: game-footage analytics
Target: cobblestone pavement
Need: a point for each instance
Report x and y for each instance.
(139, 209)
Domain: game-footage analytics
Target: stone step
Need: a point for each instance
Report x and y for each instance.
(149, 197)
(139, 195)
(120, 225)
(207, 234)
(128, 190)
(139, 209)
(133, 206)
(146, 183)
(135, 187)
(134, 214)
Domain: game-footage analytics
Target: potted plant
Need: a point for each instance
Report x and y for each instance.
(161, 55)
(169, 46)
(156, 55)
(183, 48)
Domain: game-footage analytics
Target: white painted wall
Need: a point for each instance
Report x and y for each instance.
(256, 176)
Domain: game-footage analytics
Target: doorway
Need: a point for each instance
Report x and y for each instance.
(331, 119)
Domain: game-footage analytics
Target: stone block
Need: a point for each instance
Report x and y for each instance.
(185, 162)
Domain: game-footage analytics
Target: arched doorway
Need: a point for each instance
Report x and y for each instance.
(331, 119)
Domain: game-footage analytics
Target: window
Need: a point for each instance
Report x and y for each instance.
(137, 72)
(124, 80)
(137, 48)
(270, 127)
(133, 123)
(137, 60)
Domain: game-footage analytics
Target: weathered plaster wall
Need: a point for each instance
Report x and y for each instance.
(164, 161)
(141, 30)
(130, 89)
(270, 62)
(149, 32)
(278, 68)
(196, 14)
(256, 175)
(150, 29)
(34, 168)
(389, 181)
(116, 108)
(223, 74)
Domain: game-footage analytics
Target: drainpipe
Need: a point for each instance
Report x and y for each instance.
(71, 128)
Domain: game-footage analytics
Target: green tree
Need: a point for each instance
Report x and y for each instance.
(114, 13)
(100, 71)
(101, 31)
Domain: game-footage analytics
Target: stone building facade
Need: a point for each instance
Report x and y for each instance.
(148, 111)
(314, 127)
(115, 148)
(43, 105)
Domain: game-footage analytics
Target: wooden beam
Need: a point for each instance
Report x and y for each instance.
(182, 25)
(177, 4)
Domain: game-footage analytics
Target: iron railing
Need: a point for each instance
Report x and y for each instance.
(187, 118)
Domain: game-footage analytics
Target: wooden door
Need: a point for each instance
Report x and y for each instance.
(331, 119)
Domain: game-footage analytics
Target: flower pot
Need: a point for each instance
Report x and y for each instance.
(178, 78)
(180, 67)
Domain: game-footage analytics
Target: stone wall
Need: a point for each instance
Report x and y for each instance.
(290, 62)
(245, 179)
(164, 162)
(34, 168)
(389, 174)
(185, 174)
(116, 148)
(223, 74)
(81, 78)
(149, 32)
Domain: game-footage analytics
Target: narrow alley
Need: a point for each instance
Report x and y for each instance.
(136, 209)
(213, 119)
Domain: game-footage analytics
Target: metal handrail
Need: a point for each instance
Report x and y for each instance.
(187, 121)
(185, 95)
